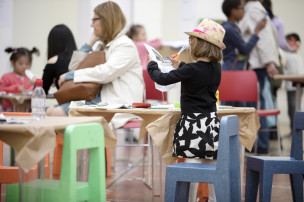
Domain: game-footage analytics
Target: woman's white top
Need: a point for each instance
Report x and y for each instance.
(121, 76)
(266, 49)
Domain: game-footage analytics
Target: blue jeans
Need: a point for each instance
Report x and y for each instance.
(266, 102)
(66, 108)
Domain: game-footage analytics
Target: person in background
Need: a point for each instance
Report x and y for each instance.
(237, 49)
(263, 59)
(138, 34)
(276, 84)
(121, 74)
(16, 81)
(199, 83)
(293, 66)
(61, 45)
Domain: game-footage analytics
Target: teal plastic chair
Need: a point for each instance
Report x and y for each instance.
(76, 137)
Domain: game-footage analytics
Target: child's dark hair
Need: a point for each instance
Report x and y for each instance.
(293, 35)
(133, 31)
(267, 5)
(201, 48)
(228, 5)
(61, 39)
(18, 52)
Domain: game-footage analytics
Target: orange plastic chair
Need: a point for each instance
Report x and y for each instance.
(10, 174)
(57, 157)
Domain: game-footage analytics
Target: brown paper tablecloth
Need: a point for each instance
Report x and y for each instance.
(33, 140)
(16, 98)
(160, 123)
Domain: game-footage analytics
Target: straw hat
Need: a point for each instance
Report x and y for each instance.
(211, 32)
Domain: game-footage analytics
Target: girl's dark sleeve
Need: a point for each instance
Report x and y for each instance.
(174, 76)
(48, 78)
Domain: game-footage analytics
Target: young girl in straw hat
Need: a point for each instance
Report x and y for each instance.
(196, 133)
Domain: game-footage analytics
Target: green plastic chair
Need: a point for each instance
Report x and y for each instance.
(76, 137)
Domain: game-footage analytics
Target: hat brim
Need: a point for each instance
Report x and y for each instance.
(220, 44)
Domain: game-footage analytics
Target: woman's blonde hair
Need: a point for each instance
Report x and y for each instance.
(112, 20)
(200, 48)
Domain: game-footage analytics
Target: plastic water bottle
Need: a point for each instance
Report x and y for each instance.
(38, 101)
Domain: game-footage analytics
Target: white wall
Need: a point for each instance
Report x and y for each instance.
(6, 30)
(149, 14)
(32, 21)
(292, 14)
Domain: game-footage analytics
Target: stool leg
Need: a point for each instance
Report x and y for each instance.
(222, 191)
(296, 182)
(170, 187)
(265, 186)
(279, 138)
(182, 191)
(252, 182)
(174, 190)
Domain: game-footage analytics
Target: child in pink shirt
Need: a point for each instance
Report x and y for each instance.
(17, 81)
(138, 34)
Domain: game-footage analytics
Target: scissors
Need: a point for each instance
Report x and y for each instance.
(176, 55)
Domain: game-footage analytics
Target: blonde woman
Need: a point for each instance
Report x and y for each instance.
(121, 75)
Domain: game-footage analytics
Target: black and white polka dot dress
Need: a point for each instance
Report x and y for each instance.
(196, 136)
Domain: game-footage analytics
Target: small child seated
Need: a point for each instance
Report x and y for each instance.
(16, 81)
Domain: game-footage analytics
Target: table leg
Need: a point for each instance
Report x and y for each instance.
(20, 182)
(242, 160)
(83, 157)
(12, 157)
(163, 179)
(41, 170)
(298, 96)
(156, 172)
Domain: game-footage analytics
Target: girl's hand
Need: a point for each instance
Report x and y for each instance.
(149, 59)
(260, 25)
(32, 81)
(175, 60)
(61, 79)
(21, 89)
(271, 69)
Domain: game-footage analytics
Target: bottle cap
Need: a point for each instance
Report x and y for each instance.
(38, 82)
